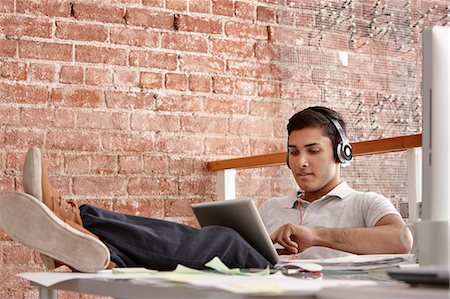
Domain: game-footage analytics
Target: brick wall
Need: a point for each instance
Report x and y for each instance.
(129, 98)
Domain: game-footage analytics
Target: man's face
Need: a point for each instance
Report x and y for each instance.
(312, 162)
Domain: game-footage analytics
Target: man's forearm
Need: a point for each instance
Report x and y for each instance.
(368, 240)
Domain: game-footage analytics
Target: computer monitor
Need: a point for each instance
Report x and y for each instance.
(436, 124)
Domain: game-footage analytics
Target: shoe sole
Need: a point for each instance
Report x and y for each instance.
(32, 184)
(32, 173)
(29, 222)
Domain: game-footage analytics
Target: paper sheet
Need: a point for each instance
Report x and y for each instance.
(358, 262)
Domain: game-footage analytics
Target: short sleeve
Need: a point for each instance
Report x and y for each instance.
(375, 207)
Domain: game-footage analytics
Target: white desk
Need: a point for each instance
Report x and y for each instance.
(129, 289)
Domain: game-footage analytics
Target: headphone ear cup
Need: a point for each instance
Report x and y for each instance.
(344, 152)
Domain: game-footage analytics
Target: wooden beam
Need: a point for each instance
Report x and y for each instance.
(386, 145)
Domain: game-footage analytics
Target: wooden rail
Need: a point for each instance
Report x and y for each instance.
(370, 147)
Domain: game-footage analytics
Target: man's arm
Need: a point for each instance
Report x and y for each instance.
(384, 237)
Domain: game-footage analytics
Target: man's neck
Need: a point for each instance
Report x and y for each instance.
(313, 196)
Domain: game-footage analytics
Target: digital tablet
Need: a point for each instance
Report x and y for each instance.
(242, 216)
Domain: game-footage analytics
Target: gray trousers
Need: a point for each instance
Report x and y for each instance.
(158, 244)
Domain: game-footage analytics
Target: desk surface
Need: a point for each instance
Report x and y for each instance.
(132, 289)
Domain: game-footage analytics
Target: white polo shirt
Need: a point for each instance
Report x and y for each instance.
(341, 207)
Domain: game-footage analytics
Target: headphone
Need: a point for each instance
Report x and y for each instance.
(343, 151)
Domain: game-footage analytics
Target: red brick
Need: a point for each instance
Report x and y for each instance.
(176, 81)
(16, 254)
(178, 207)
(226, 106)
(7, 184)
(251, 127)
(176, 4)
(9, 116)
(223, 7)
(130, 164)
(126, 78)
(137, 100)
(179, 103)
(102, 120)
(181, 166)
(73, 140)
(263, 146)
(200, 6)
(268, 89)
(153, 59)
(267, 51)
(245, 186)
(156, 3)
(298, 72)
(199, 83)
(244, 30)
(203, 124)
(184, 42)
(156, 165)
(47, 51)
(100, 77)
(123, 142)
(232, 48)
(151, 80)
(149, 19)
(201, 25)
(76, 164)
(23, 94)
(103, 164)
(99, 185)
(13, 70)
(134, 37)
(42, 72)
(203, 187)
(325, 76)
(367, 81)
(246, 87)
(266, 14)
(77, 98)
(249, 69)
(8, 48)
(202, 63)
(152, 186)
(82, 32)
(7, 6)
(23, 138)
(244, 10)
(100, 55)
(57, 8)
(47, 117)
(144, 121)
(268, 109)
(223, 85)
(71, 74)
(141, 207)
(234, 147)
(179, 144)
(95, 12)
(15, 161)
(305, 92)
(16, 25)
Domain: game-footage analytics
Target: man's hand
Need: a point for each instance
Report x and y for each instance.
(294, 238)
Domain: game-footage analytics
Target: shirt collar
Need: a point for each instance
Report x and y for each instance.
(340, 191)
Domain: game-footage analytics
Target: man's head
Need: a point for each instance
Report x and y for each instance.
(330, 122)
(313, 143)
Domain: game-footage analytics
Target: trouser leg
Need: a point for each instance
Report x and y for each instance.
(161, 245)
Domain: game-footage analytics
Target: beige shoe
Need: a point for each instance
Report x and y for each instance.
(28, 221)
(37, 184)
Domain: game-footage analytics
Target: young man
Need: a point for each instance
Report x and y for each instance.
(328, 218)
(89, 238)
